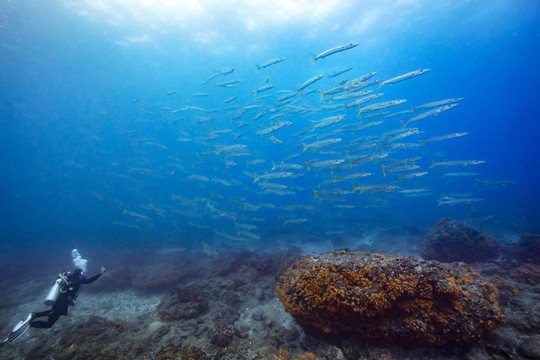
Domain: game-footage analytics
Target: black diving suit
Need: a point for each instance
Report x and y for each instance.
(68, 292)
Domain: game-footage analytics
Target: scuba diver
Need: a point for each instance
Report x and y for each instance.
(61, 295)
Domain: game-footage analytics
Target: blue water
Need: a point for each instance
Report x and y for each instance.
(88, 94)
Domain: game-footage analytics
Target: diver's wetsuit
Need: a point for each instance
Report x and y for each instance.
(68, 293)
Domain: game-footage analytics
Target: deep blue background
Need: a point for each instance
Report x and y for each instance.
(69, 89)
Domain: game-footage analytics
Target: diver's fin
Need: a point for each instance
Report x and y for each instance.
(19, 329)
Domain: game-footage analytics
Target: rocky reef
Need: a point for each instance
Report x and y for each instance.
(452, 240)
(527, 249)
(391, 298)
(226, 308)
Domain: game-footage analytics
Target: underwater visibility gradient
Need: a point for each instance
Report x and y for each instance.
(133, 129)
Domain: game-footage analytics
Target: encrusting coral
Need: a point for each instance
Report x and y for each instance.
(394, 298)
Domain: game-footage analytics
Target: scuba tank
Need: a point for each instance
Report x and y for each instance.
(55, 289)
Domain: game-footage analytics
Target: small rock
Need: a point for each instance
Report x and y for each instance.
(288, 335)
(258, 315)
(530, 348)
(241, 329)
(475, 353)
(333, 353)
(220, 336)
(155, 325)
(259, 294)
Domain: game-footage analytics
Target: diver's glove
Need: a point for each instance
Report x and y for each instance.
(102, 269)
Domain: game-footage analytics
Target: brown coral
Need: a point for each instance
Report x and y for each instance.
(394, 298)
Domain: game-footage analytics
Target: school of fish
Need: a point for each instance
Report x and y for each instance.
(329, 145)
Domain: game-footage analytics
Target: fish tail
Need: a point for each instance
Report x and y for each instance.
(335, 178)
(359, 110)
(433, 163)
(124, 212)
(308, 166)
(314, 58)
(322, 93)
(331, 99)
(422, 142)
(273, 166)
(218, 150)
(404, 122)
(477, 181)
(305, 147)
(383, 170)
(381, 83)
(347, 107)
(315, 194)
(413, 108)
(258, 67)
(256, 177)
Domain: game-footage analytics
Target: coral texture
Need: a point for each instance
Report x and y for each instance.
(392, 298)
(452, 240)
(183, 302)
(527, 249)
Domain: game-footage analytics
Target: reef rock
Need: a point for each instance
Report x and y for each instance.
(183, 302)
(390, 298)
(527, 249)
(452, 240)
(182, 352)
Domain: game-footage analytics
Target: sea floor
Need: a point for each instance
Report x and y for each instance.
(170, 304)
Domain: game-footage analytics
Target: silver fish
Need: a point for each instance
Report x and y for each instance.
(429, 113)
(328, 122)
(333, 51)
(442, 137)
(263, 88)
(273, 128)
(403, 77)
(231, 148)
(339, 72)
(273, 175)
(309, 82)
(380, 105)
(437, 103)
(322, 144)
(270, 63)
(324, 163)
(456, 163)
(410, 175)
(284, 166)
(457, 201)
